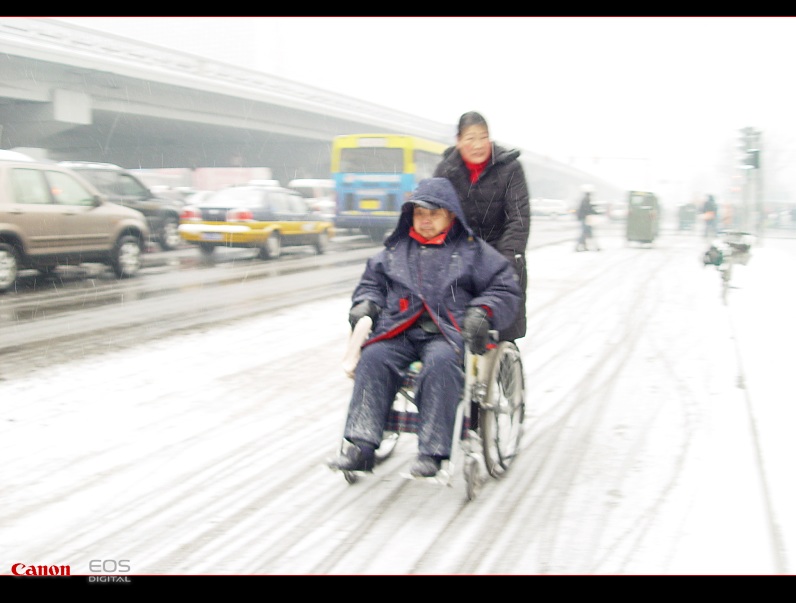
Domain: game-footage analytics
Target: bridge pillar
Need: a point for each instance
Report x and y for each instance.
(29, 123)
(71, 107)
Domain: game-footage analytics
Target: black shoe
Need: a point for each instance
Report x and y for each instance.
(425, 466)
(354, 459)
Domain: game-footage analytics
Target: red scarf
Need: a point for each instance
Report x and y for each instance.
(438, 240)
(475, 169)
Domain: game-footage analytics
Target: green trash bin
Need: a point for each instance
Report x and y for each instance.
(643, 216)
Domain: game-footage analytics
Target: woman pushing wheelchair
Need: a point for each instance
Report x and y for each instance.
(434, 288)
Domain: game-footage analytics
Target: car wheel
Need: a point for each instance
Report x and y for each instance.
(126, 256)
(272, 248)
(169, 234)
(9, 267)
(206, 249)
(322, 242)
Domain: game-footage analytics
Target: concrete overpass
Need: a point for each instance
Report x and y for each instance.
(68, 92)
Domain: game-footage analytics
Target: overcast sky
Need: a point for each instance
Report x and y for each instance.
(630, 98)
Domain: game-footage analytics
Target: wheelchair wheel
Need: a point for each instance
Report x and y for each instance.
(503, 409)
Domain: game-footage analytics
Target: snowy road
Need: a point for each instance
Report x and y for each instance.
(653, 440)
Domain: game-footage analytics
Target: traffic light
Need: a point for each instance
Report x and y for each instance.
(749, 144)
(752, 159)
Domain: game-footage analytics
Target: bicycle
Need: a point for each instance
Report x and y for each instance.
(732, 247)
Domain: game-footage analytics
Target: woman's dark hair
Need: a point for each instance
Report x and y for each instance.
(471, 118)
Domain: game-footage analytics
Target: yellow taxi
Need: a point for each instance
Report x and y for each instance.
(262, 217)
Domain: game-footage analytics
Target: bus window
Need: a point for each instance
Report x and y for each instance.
(374, 174)
(425, 164)
(371, 161)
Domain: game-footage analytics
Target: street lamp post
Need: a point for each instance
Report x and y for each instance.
(753, 183)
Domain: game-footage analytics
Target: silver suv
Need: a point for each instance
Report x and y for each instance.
(50, 216)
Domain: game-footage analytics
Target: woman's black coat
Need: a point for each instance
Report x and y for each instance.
(497, 208)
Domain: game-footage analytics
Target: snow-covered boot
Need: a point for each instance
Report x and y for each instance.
(355, 458)
(425, 466)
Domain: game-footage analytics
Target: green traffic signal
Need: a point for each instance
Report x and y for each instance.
(753, 158)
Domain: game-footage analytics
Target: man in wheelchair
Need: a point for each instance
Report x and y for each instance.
(433, 287)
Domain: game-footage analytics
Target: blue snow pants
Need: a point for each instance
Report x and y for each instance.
(438, 389)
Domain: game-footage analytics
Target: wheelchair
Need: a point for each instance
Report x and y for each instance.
(489, 416)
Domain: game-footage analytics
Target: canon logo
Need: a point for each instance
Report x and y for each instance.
(20, 569)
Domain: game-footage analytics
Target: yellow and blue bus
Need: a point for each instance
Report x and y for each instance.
(374, 174)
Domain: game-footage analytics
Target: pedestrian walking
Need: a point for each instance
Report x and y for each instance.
(586, 214)
(710, 216)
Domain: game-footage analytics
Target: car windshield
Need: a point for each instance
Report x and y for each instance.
(236, 196)
(308, 192)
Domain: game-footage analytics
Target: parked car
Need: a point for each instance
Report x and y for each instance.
(265, 218)
(124, 188)
(318, 192)
(552, 208)
(51, 216)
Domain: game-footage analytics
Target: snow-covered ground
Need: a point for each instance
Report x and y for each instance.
(203, 452)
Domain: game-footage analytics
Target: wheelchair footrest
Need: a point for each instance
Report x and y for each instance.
(443, 478)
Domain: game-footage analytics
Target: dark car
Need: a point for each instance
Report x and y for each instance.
(50, 217)
(124, 188)
(265, 218)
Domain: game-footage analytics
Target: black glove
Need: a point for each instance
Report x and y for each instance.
(476, 329)
(362, 309)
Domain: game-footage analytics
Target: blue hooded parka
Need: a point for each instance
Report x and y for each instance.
(406, 277)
